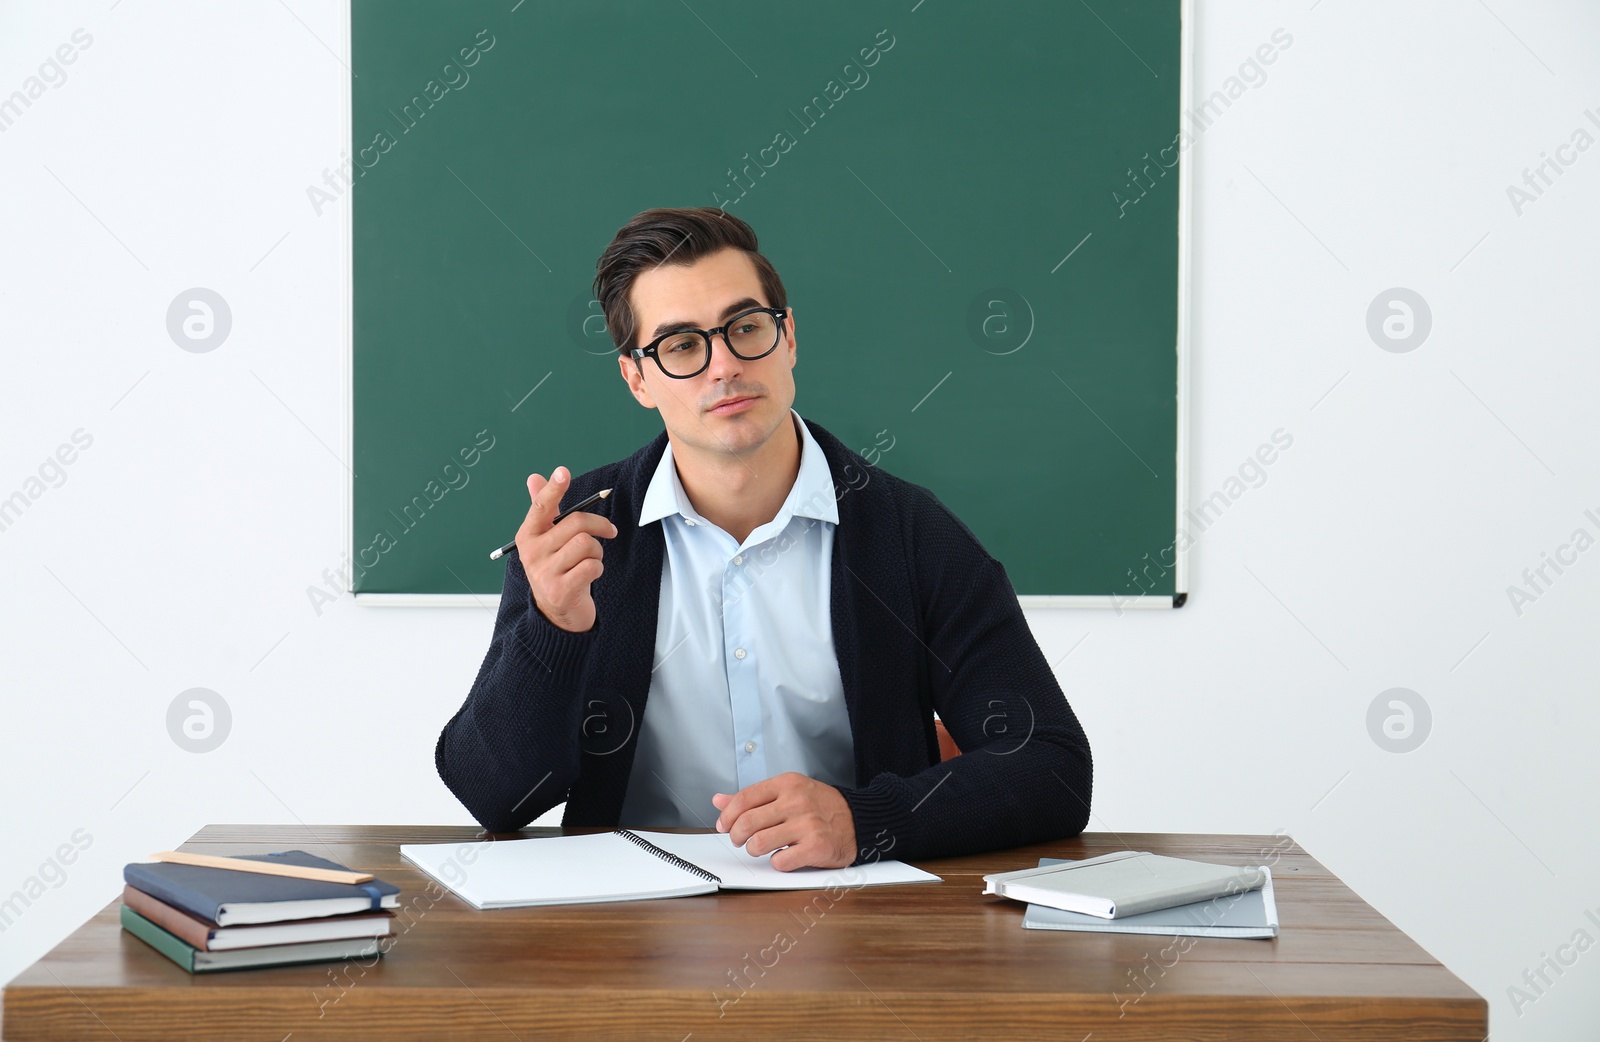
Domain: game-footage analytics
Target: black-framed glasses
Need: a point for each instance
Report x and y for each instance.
(684, 353)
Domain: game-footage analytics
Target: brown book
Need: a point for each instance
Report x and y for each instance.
(208, 936)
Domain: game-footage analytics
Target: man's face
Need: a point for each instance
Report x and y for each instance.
(697, 295)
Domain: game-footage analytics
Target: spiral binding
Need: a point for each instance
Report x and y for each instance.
(667, 855)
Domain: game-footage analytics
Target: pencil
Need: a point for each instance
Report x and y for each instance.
(591, 501)
(270, 868)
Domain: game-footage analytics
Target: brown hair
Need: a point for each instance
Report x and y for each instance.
(681, 236)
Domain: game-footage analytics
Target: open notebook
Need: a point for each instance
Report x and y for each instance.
(626, 865)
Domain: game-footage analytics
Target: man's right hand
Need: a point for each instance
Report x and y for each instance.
(561, 561)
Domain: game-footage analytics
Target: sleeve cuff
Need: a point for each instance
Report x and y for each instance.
(556, 652)
(882, 823)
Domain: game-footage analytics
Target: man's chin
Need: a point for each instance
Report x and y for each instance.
(741, 433)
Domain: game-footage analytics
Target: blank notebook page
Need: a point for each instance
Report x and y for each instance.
(739, 870)
(558, 870)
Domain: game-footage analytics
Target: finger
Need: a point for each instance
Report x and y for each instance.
(547, 499)
(597, 525)
(755, 821)
(573, 552)
(579, 575)
(797, 855)
(775, 837)
(747, 797)
(530, 526)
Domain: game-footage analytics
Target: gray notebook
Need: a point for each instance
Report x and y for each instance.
(1124, 883)
(1253, 913)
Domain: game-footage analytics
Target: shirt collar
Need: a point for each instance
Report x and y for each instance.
(812, 494)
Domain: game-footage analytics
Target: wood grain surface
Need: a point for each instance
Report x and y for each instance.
(919, 962)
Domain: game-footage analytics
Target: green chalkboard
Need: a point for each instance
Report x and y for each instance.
(975, 212)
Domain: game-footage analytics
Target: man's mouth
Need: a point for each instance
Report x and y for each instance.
(734, 404)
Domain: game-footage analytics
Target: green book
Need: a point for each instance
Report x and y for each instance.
(197, 961)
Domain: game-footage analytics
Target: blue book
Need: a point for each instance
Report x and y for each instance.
(228, 897)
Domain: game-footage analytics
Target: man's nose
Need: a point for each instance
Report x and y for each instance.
(724, 362)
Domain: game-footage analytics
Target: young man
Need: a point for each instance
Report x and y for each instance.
(762, 639)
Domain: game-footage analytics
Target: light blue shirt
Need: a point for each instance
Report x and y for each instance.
(745, 683)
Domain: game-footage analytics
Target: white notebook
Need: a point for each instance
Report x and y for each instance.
(626, 865)
(1252, 913)
(1128, 882)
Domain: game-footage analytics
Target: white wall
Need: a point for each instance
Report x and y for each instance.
(1377, 554)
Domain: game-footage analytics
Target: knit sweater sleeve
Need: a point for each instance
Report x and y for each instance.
(1025, 774)
(511, 751)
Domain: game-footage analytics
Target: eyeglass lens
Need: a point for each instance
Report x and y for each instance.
(751, 335)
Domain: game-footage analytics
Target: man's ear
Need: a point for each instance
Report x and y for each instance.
(632, 374)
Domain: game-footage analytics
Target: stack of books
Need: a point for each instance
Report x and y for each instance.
(208, 918)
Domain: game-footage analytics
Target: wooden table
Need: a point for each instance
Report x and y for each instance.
(926, 962)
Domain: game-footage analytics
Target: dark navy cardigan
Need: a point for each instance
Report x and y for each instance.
(923, 620)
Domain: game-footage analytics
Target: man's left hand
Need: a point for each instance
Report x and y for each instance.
(809, 819)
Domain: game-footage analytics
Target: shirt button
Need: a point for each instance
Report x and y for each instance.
(688, 521)
(749, 747)
(738, 558)
(738, 653)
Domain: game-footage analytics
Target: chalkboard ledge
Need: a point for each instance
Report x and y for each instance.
(491, 601)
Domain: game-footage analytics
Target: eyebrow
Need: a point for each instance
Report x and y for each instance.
(675, 324)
